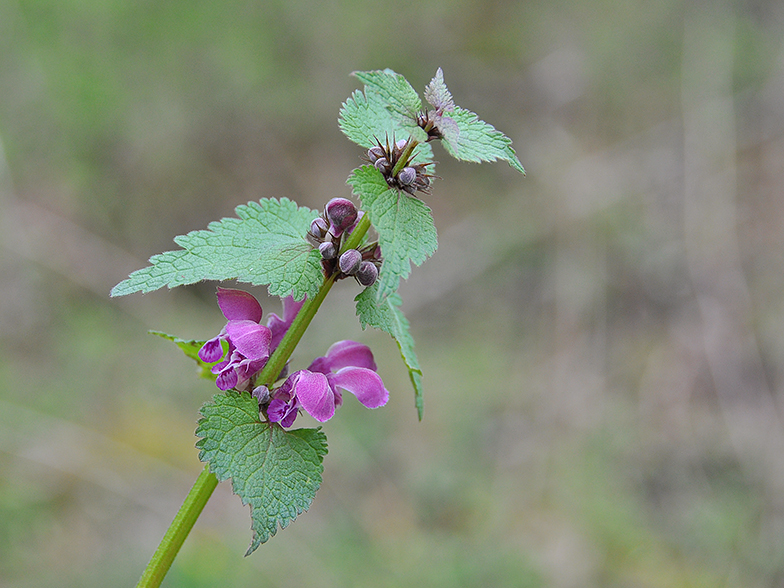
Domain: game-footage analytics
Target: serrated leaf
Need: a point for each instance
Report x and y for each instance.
(386, 111)
(394, 91)
(406, 232)
(191, 349)
(265, 245)
(437, 94)
(386, 316)
(366, 121)
(276, 472)
(389, 107)
(476, 140)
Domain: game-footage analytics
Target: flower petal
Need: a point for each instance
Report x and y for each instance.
(363, 383)
(350, 353)
(278, 326)
(211, 351)
(238, 305)
(315, 395)
(290, 417)
(280, 411)
(226, 379)
(247, 368)
(251, 340)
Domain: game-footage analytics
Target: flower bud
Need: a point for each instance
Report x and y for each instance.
(367, 274)
(342, 214)
(319, 227)
(350, 261)
(407, 176)
(401, 144)
(375, 153)
(382, 165)
(262, 394)
(327, 250)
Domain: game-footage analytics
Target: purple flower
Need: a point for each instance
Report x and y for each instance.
(284, 406)
(249, 342)
(348, 366)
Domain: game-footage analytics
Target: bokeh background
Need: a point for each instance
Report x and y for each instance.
(602, 341)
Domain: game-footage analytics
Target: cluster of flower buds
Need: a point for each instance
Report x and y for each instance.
(410, 176)
(362, 263)
(326, 234)
(427, 121)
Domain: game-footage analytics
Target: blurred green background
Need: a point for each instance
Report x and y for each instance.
(602, 341)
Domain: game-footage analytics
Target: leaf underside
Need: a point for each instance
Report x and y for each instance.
(386, 316)
(191, 349)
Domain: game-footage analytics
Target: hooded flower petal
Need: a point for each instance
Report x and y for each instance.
(348, 365)
(315, 395)
(238, 305)
(363, 383)
(346, 353)
(250, 339)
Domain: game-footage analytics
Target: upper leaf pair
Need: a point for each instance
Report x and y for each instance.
(390, 107)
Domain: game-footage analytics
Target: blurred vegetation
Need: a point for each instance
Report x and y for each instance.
(601, 341)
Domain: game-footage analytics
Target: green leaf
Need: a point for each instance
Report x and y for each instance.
(265, 245)
(191, 349)
(400, 98)
(471, 139)
(406, 232)
(389, 107)
(366, 121)
(386, 111)
(437, 94)
(276, 472)
(387, 316)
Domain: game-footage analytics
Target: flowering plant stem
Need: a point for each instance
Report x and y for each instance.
(202, 489)
(286, 347)
(181, 525)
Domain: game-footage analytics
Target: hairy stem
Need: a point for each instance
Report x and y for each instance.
(405, 157)
(206, 482)
(290, 340)
(181, 525)
(269, 374)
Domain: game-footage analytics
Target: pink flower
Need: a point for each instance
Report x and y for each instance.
(348, 366)
(249, 342)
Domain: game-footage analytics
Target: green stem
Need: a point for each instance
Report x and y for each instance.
(269, 374)
(181, 525)
(405, 157)
(206, 482)
(286, 347)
